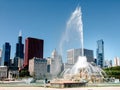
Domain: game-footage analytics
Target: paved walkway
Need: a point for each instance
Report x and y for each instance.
(41, 88)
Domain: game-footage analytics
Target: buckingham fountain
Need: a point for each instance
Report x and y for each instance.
(82, 71)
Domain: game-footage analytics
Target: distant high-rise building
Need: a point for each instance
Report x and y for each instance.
(19, 48)
(95, 61)
(108, 63)
(111, 63)
(55, 64)
(100, 53)
(33, 48)
(6, 54)
(116, 61)
(19, 55)
(73, 54)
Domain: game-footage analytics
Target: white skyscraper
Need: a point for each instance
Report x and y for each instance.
(73, 54)
(55, 62)
(116, 61)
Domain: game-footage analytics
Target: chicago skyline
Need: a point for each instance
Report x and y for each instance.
(47, 20)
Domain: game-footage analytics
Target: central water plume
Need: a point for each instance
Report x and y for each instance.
(81, 70)
(74, 24)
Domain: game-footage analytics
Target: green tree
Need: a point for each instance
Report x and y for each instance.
(23, 73)
(113, 72)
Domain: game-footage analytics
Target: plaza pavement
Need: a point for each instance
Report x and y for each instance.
(41, 88)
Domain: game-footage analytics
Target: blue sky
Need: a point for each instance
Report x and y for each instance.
(46, 19)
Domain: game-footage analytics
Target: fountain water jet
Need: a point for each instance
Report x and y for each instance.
(82, 67)
(82, 71)
(74, 24)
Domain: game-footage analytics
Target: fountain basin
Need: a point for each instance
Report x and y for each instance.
(68, 84)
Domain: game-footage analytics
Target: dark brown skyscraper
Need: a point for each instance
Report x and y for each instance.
(33, 48)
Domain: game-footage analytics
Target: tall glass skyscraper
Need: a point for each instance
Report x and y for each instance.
(6, 54)
(19, 55)
(100, 53)
(19, 48)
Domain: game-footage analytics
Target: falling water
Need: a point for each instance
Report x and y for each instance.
(74, 23)
(82, 67)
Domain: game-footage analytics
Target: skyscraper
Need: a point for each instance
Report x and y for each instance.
(100, 53)
(73, 54)
(19, 47)
(6, 54)
(19, 55)
(116, 61)
(33, 48)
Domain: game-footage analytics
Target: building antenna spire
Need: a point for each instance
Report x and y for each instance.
(20, 33)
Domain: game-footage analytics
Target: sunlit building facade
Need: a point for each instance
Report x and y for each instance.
(3, 72)
(73, 54)
(116, 61)
(55, 64)
(38, 67)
